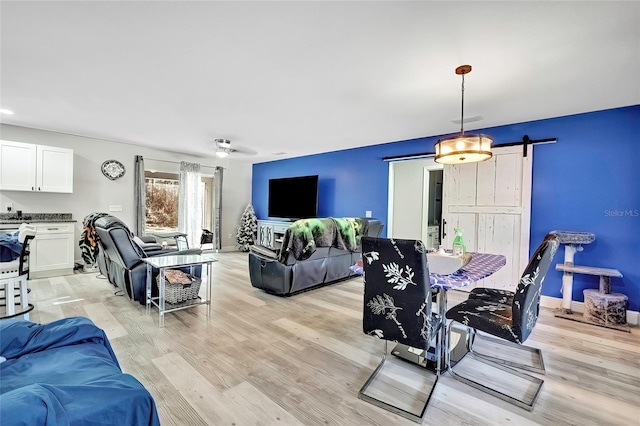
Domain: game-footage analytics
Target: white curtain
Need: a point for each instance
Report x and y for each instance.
(217, 208)
(190, 203)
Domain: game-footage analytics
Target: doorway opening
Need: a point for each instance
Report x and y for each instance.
(415, 200)
(432, 196)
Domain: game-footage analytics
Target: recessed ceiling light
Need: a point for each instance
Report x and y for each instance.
(6, 111)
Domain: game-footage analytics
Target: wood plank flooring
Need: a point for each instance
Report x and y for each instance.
(267, 360)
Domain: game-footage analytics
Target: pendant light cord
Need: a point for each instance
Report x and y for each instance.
(462, 109)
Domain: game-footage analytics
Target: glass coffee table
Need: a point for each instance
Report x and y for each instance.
(175, 261)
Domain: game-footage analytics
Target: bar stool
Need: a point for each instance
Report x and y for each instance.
(14, 276)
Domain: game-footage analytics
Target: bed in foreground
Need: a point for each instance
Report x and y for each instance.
(66, 373)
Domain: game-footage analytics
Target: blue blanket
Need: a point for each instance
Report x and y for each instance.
(10, 247)
(65, 373)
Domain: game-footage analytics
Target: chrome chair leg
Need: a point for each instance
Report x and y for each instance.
(387, 406)
(438, 351)
(536, 355)
(526, 404)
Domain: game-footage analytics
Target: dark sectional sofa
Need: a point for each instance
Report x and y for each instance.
(286, 275)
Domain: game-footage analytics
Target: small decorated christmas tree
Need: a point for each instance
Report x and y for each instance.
(246, 233)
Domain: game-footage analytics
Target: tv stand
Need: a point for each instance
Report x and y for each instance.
(271, 232)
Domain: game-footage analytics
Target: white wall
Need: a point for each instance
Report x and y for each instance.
(93, 192)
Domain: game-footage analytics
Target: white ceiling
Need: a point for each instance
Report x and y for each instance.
(308, 77)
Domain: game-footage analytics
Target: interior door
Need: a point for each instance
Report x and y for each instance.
(491, 202)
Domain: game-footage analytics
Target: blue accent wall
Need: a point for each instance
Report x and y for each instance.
(588, 181)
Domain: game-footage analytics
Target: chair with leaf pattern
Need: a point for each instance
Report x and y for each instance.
(397, 308)
(509, 316)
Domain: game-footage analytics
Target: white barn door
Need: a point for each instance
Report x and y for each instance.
(491, 202)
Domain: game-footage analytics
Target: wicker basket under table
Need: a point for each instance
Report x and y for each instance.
(177, 292)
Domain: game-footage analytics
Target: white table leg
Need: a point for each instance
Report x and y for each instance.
(161, 289)
(149, 274)
(209, 284)
(9, 295)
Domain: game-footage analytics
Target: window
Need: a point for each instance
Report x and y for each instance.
(162, 191)
(162, 194)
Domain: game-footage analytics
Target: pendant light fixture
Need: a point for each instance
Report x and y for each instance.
(463, 148)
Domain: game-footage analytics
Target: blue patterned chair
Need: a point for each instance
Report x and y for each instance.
(397, 308)
(510, 316)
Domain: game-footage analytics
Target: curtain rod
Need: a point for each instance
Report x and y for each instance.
(524, 142)
(177, 162)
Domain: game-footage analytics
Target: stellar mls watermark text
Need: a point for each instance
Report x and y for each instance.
(622, 213)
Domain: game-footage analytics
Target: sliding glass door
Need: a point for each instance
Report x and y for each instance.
(162, 194)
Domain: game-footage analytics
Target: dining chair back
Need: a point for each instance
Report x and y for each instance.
(526, 301)
(397, 308)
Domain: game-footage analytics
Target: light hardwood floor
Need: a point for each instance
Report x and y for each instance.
(267, 360)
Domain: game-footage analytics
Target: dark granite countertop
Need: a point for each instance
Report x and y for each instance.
(17, 222)
(12, 218)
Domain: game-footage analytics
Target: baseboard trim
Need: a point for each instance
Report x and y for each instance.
(50, 273)
(556, 303)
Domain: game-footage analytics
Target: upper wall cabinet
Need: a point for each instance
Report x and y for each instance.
(38, 168)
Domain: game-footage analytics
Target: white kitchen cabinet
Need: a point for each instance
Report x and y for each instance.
(54, 169)
(37, 168)
(17, 166)
(52, 250)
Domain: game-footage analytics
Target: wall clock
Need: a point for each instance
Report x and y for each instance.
(113, 169)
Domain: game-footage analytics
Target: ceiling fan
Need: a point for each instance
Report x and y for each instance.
(223, 149)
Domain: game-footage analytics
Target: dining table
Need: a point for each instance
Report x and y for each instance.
(480, 266)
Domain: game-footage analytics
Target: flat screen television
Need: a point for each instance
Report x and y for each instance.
(293, 197)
